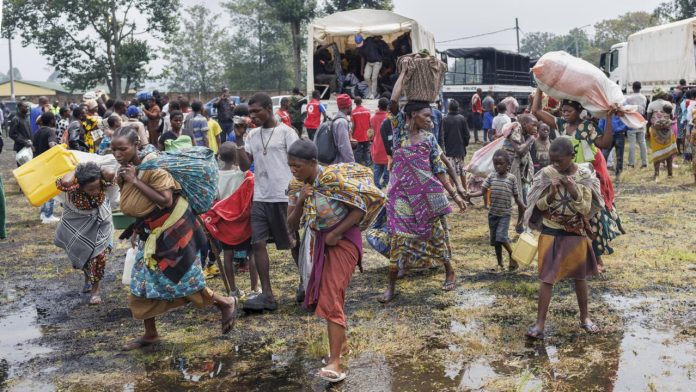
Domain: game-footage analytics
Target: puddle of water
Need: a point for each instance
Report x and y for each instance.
(477, 375)
(32, 386)
(652, 356)
(17, 331)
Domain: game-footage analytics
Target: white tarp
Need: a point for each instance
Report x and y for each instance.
(662, 55)
(340, 28)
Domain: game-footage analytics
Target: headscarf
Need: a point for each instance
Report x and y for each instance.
(303, 149)
(414, 106)
(574, 104)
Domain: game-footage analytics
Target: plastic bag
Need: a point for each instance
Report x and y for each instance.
(24, 155)
(564, 76)
(128, 266)
(481, 164)
(305, 262)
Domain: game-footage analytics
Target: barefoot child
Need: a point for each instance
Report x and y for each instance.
(563, 198)
(503, 187)
(229, 218)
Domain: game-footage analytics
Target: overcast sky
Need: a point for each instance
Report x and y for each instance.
(446, 19)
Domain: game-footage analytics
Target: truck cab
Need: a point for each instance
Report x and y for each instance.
(614, 64)
(501, 72)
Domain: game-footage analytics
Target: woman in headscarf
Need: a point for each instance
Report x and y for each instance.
(165, 275)
(588, 145)
(335, 202)
(518, 145)
(85, 230)
(416, 202)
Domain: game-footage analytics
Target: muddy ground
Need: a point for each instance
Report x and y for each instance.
(427, 339)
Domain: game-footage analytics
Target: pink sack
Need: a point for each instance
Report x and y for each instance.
(481, 164)
(564, 76)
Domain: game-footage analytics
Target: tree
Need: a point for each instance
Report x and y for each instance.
(536, 44)
(194, 53)
(91, 42)
(612, 31)
(332, 6)
(17, 74)
(295, 13)
(674, 10)
(257, 55)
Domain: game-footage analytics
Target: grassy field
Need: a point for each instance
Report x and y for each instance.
(427, 339)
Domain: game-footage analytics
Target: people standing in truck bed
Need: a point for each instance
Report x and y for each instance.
(372, 50)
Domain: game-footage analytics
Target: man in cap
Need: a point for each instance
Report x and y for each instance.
(340, 127)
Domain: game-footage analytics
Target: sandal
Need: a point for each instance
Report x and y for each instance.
(534, 333)
(333, 375)
(590, 327)
(449, 286)
(228, 323)
(95, 300)
(87, 288)
(139, 343)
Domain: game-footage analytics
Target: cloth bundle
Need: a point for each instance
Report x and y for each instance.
(195, 169)
(420, 77)
(564, 76)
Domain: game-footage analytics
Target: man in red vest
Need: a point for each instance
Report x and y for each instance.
(315, 111)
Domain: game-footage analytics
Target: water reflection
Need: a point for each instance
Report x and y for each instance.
(18, 333)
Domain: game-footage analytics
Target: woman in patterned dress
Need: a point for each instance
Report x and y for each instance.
(165, 275)
(416, 202)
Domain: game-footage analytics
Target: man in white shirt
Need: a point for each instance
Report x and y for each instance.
(500, 120)
(638, 134)
(267, 147)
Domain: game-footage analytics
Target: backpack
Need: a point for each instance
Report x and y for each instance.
(326, 146)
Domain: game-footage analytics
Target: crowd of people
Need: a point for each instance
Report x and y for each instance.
(315, 185)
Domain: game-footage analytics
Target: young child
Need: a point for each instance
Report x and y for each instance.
(503, 187)
(232, 180)
(173, 139)
(114, 122)
(563, 197)
(540, 149)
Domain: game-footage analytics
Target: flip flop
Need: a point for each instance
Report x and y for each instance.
(228, 323)
(533, 333)
(325, 360)
(95, 300)
(449, 286)
(139, 343)
(334, 376)
(590, 327)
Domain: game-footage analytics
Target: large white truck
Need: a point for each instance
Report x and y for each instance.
(342, 27)
(657, 57)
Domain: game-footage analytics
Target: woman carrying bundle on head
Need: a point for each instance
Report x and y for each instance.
(563, 197)
(416, 202)
(335, 202)
(85, 230)
(165, 275)
(587, 144)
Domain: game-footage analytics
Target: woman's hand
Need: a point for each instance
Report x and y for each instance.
(552, 192)
(570, 185)
(127, 174)
(332, 238)
(306, 191)
(460, 202)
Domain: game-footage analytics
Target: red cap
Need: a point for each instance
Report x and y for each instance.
(343, 101)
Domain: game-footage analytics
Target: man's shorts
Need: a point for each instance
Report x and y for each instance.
(458, 165)
(269, 224)
(499, 227)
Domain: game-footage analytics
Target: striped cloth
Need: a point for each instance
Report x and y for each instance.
(503, 189)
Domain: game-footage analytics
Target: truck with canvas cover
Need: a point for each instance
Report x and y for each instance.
(334, 37)
(657, 57)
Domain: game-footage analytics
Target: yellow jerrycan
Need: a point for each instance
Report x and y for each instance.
(525, 249)
(37, 178)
